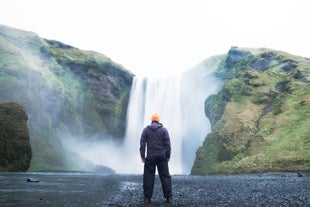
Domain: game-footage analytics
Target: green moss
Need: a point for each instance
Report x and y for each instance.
(214, 107)
(207, 157)
(264, 126)
(81, 92)
(15, 149)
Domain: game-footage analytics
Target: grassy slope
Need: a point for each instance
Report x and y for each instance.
(65, 92)
(265, 123)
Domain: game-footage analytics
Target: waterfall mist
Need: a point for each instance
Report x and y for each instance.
(71, 106)
(179, 100)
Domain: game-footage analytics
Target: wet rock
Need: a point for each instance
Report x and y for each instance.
(32, 180)
(300, 174)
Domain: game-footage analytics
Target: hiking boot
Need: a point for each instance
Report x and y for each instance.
(169, 200)
(147, 200)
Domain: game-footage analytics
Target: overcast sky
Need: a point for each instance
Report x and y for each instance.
(164, 36)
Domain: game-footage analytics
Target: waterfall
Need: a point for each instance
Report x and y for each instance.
(179, 101)
(161, 95)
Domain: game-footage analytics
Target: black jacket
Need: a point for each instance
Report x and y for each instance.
(156, 138)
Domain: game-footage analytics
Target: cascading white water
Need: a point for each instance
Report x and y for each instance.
(161, 95)
(180, 102)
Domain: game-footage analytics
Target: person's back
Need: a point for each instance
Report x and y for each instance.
(156, 139)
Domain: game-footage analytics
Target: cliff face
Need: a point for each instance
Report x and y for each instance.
(65, 91)
(261, 117)
(15, 149)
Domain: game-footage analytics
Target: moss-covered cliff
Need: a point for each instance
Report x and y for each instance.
(15, 149)
(261, 117)
(65, 92)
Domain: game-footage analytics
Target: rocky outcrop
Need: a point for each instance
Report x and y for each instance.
(260, 118)
(67, 93)
(15, 148)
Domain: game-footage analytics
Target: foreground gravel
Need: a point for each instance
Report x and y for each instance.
(82, 189)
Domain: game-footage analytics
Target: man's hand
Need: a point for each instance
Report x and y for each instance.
(143, 160)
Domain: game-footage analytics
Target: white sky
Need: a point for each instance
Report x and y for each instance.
(164, 36)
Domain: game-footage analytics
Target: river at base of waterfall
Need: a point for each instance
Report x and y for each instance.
(86, 189)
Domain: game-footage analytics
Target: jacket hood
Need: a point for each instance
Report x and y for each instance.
(154, 125)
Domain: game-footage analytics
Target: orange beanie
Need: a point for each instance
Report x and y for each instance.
(155, 117)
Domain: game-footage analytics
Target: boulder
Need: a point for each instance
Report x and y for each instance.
(15, 148)
(32, 180)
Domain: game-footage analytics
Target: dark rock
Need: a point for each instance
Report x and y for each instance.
(283, 86)
(302, 75)
(300, 174)
(15, 148)
(235, 55)
(32, 180)
(268, 55)
(289, 66)
(262, 63)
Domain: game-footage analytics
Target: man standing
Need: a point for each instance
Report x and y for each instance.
(156, 139)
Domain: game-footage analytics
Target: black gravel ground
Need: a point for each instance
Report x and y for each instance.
(82, 189)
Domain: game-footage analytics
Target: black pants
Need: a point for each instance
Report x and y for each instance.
(149, 176)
